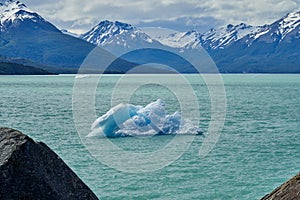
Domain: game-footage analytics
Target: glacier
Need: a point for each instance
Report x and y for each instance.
(125, 120)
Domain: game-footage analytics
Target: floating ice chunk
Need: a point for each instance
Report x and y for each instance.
(109, 123)
(131, 120)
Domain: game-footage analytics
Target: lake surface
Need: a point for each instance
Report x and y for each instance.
(259, 147)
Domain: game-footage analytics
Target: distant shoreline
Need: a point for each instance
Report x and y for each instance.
(95, 74)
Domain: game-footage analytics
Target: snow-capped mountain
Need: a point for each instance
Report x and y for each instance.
(284, 29)
(25, 34)
(13, 13)
(288, 24)
(9, 7)
(271, 47)
(118, 35)
(133, 45)
(10, 11)
(221, 38)
(234, 48)
(212, 39)
(190, 39)
(245, 48)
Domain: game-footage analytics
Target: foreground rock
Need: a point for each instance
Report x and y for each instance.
(31, 170)
(287, 191)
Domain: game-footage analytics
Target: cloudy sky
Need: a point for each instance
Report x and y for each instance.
(80, 15)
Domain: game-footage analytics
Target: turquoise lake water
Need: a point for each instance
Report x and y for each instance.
(259, 147)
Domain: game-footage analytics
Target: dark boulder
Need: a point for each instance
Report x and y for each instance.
(31, 170)
(287, 191)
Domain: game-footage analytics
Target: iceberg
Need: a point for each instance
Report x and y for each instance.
(131, 120)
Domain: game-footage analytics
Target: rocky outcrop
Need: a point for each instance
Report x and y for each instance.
(31, 170)
(287, 191)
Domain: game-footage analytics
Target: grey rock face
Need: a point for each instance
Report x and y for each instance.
(287, 191)
(31, 170)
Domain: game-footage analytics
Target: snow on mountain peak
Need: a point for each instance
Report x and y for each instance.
(119, 33)
(288, 23)
(14, 14)
(11, 10)
(10, 6)
(114, 27)
(188, 39)
(214, 38)
(105, 30)
(223, 37)
(219, 38)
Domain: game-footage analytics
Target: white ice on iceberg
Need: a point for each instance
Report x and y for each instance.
(130, 120)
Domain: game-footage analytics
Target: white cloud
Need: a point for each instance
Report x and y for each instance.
(256, 12)
(83, 14)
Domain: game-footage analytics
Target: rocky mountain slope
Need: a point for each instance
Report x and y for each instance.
(25, 34)
(244, 48)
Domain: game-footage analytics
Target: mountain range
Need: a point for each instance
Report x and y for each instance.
(242, 48)
(25, 34)
(239, 48)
